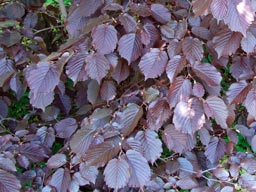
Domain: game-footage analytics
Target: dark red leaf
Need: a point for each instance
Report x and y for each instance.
(226, 42)
(88, 7)
(117, 173)
(130, 47)
(10, 38)
(180, 90)
(140, 9)
(101, 153)
(4, 109)
(189, 116)
(14, 10)
(237, 92)
(104, 38)
(153, 63)
(192, 49)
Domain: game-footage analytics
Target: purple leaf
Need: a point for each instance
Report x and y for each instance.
(6, 70)
(104, 38)
(121, 72)
(253, 143)
(204, 136)
(150, 144)
(240, 15)
(140, 9)
(241, 68)
(46, 135)
(117, 173)
(201, 7)
(10, 38)
(90, 173)
(174, 48)
(14, 10)
(29, 150)
(9, 182)
(180, 90)
(97, 66)
(65, 128)
(56, 161)
(4, 109)
(130, 118)
(176, 140)
(140, 170)
(219, 110)
(215, 150)
(60, 180)
(237, 92)
(248, 43)
(198, 90)
(160, 13)
(128, 22)
(30, 20)
(192, 49)
(207, 73)
(108, 90)
(202, 32)
(189, 116)
(219, 9)
(226, 42)
(93, 91)
(249, 165)
(221, 174)
(153, 63)
(89, 7)
(75, 68)
(41, 100)
(42, 78)
(187, 183)
(149, 34)
(175, 66)
(7, 164)
(247, 181)
(250, 102)
(130, 47)
(81, 140)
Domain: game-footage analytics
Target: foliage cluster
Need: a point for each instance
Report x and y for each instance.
(128, 95)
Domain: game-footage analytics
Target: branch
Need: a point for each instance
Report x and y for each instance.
(63, 10)
(48, 28)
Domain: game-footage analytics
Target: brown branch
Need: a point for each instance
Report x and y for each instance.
(63, 10)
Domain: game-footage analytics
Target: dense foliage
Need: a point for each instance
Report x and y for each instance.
(128, 95)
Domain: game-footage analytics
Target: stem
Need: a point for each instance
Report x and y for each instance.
(48, 28)
(63, 10)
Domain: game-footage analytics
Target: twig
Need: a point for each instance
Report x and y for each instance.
(63, 10)
(48, 28)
